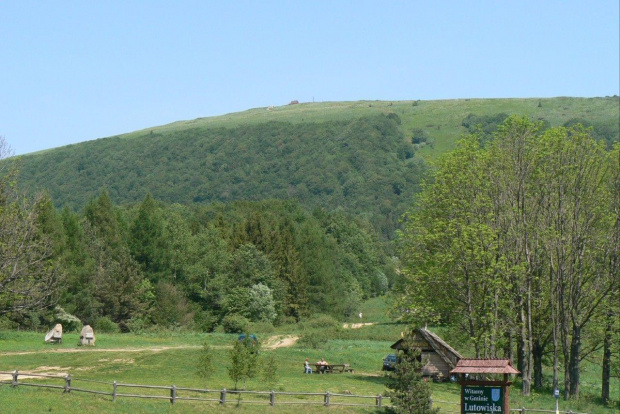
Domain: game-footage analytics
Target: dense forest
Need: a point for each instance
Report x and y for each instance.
(509, 236)
(364, 166)
(176, 266)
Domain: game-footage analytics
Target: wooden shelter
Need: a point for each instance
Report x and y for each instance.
(438, 357)
(484, 396)
(485, 366)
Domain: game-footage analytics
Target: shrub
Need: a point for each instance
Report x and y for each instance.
(32, 320)
(261, 327)
(205, 321)
(106, 325)
(205, 362)
(285, 320)
(320, 321)
(69, 322)
(234, 323)
(137, 325)
(7, 324)
(314, 340)
(270, 370)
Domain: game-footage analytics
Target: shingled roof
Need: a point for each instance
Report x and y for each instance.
(484, 366)
(438, 345)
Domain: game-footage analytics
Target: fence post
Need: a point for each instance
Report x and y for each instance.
(379, 400)
(430, 403)
(14, 383)
(523, 410)
(68, 383)
(114, 392)
(173, 394)
(272, 398)
(223, 396)
(326, 399)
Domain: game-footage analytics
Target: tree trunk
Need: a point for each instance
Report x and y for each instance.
(526, 375)
(520, 347)
(575, 348)
(607, 360)
(537, 354)
(563, 324)
(556, 357)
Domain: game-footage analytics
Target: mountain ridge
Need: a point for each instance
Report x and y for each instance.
(365, 156)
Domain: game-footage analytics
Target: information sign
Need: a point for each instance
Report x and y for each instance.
(480, 399)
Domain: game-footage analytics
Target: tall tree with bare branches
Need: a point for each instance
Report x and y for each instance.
(29, 275)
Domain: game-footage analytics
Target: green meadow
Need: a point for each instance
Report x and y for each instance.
(167, 358)
(440, 119)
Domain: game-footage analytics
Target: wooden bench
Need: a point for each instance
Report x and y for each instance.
(332, 368)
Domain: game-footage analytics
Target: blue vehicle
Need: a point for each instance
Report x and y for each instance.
(389, 362)
(249, 340)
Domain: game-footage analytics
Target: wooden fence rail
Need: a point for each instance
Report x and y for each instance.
(224, 396)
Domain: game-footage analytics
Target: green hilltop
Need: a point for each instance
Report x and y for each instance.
(367, 157)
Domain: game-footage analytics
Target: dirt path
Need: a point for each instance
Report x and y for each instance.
(273, 342)
(356, 325)
(87, 349)
(279, 341)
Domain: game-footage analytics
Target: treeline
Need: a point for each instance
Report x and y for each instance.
(365, 166)
(516, 244)
(196, 267)
(486, 126)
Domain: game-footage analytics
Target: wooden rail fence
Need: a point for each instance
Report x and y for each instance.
(224, 396)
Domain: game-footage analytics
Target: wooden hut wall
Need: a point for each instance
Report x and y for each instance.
(434, 365)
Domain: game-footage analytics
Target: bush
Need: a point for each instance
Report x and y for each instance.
(234, 323)
(285, 320)
(314, 340)
(137, 325)
(106, 325)
(270, 370)
(204, 369)
(261, 327)
(69, 322)
(32, 320)
(7, 324)
(320, 321)
(205, 321)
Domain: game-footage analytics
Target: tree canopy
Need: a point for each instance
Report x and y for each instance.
(516, 241)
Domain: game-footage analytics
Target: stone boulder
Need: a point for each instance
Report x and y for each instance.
(55, 335)
(87, 336)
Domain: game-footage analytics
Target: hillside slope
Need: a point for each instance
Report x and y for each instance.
(353, 155)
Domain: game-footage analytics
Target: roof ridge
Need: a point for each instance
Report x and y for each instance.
(436, 337)
(432, 339)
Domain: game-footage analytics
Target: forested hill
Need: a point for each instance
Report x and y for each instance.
(364, 157)
(348, 164)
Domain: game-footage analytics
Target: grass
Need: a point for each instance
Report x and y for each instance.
(169, 358)
(441, 119)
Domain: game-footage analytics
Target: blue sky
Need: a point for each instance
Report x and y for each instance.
(76, 71)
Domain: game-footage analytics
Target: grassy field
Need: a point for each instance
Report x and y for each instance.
(170, 358)
(441, 119)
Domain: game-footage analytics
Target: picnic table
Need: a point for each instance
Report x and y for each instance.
(332, 368)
